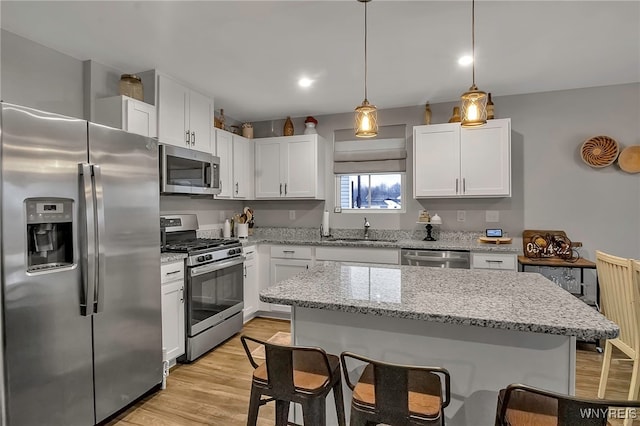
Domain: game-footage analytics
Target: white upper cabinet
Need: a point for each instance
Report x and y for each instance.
(185, 117)
(243, 167)
(236, 165)
(290, 167)
(452, 161)
(131, 115)
(223, 150)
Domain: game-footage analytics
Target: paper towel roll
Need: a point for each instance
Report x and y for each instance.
(325, 223)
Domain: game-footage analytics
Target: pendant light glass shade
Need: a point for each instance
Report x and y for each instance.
(366, 114)
(474, 107)
(473, 102)
(366, 120)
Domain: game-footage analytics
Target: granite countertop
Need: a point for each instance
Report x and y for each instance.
(171, 257)
(394, 239)
(508, 300)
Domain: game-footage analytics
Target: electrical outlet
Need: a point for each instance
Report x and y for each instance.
(222, 216)
(292, 215)
(461, 215)
(492, 216)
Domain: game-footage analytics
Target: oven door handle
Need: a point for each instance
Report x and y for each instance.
(212, 267)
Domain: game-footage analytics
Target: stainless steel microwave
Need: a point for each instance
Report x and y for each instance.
(186, 171)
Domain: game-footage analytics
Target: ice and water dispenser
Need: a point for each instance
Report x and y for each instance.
(49, 233)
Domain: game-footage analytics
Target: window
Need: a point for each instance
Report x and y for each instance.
(370, 191)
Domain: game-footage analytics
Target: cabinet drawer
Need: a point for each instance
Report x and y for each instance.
(503, 261)
(172, 272)
(291, 252)
(365, 255)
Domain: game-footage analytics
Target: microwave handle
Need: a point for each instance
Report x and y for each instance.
(208, 171)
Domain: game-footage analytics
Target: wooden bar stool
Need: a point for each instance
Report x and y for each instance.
(399, 395)
(522, 405)
(304, 375)
(620, 302)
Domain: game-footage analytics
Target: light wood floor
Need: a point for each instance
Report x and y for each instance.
(214, 390)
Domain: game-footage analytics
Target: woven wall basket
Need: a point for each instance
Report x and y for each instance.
(599, 151)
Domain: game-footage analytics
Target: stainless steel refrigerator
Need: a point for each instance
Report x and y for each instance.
(80, 254)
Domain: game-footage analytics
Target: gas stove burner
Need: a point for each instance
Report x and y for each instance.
(187, 246)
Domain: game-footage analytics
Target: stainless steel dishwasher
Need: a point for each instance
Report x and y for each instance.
(459, 259)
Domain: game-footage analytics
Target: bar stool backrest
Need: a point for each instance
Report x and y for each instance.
(620, 300)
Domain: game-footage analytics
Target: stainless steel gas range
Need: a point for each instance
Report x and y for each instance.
(214, 284)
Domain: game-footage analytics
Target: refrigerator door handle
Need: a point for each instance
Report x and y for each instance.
(87, 241)
(100, 235)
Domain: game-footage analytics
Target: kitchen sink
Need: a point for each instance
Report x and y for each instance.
(360, 240)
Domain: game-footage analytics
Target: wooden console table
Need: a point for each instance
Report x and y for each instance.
(581, 264)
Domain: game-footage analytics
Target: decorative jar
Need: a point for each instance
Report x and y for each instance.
(131, 85)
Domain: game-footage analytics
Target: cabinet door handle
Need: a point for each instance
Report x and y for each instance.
(494, 261)
(456, 185)
(285, 189)
(307, 266)
(280, 189)
(193, 138)
(464, 185)
(236, 188)
(173, 272)
(188, 138)
(288, 251)
(245, 272)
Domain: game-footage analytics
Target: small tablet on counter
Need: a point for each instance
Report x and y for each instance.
(496, 233)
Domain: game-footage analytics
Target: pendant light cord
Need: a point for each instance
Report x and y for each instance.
(473, 40)
(365, 50)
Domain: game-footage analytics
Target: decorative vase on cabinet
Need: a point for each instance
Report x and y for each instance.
(288, 127)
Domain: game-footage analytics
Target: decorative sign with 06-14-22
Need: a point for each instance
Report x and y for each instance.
(538, 244)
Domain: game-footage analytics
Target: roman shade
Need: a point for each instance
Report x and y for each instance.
(385, 153)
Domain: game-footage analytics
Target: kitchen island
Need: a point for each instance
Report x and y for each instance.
(488, 328)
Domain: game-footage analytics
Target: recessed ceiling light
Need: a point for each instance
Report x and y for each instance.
(305, 82)
(465, 60)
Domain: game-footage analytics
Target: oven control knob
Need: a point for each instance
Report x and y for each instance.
(208, 257)
(200, 259)
(238, 250)
(232, 251)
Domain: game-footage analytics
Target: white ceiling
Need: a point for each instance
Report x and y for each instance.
(250, 54)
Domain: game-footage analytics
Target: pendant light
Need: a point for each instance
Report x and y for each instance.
(474, 102)
(366, 114)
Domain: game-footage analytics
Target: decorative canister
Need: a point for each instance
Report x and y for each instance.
(427, 114)
(247, 130)
(131, 85)
(490, 109)
(310, 126)
(288, 127)
(455, 118)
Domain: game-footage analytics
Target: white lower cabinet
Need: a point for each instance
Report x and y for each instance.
(251, 296)
(500, 261)
(173, 340)
(287, 261)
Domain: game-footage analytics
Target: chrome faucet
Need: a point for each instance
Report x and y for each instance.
(367, 225)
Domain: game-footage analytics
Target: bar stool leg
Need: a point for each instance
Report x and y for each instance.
(358, 419)
(337, 395)
(314, 412)
(606, 364)
(254, 406)
(282, 412)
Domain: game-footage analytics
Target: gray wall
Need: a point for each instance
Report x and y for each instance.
(39, 77)
(552, 188)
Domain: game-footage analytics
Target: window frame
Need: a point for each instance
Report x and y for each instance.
(403, 181)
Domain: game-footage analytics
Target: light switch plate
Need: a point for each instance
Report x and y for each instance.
(461, 215)
(492, 216)
(337, 209)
